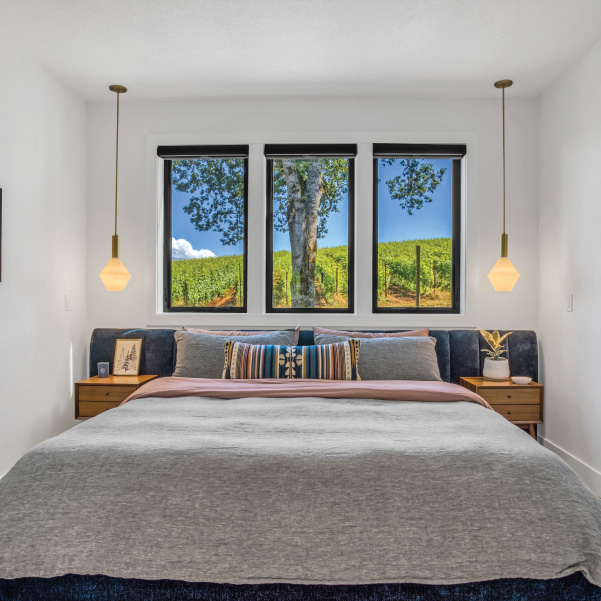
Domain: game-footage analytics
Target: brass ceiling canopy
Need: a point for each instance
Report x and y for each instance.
(123, 89)
(503, 83)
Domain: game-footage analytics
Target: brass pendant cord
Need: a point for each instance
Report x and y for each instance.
(503, 90)
(503, 83)
(117, 162)
(119, 90)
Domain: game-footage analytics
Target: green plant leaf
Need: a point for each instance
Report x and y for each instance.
(504, 336)
(487, 337)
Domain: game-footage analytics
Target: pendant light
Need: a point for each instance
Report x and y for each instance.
(115, 276)
(503, 276)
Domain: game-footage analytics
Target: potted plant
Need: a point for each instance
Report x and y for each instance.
(495, 366)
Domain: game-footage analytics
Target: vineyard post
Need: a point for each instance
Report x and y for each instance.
(434, 269)
(286, 288)
(336, 280)
(385, 280)
(418, 252)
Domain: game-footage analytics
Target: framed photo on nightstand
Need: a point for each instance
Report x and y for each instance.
(127, 356)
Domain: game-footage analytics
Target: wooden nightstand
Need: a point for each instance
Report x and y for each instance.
(95, 395)
(521, 405)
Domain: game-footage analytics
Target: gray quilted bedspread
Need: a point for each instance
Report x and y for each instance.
(302, 490)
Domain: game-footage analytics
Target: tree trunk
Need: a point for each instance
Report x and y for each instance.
(303, 220)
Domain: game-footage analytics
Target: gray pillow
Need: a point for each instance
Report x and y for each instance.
(409, 358)
(202, 355)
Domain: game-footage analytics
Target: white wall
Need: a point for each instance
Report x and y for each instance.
(144, 125)
(570, 251)
(42, 176)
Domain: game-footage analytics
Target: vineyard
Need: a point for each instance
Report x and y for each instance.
(218, 281)
(331, 278)
(397, 273)
(215, 281)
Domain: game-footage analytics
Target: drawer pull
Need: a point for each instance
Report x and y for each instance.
(508, 396)
(106, 393)
(509, 413)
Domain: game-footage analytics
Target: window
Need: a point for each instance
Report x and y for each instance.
(310, 228)
(417, 209)
(205, 228)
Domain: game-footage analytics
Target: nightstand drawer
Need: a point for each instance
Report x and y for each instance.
(522, 405)
(510, 396)
(518, 412)
(90, 409)
(114, 394)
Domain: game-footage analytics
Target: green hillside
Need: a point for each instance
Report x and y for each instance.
(217, 281)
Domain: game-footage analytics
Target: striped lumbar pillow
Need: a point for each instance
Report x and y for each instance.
(336, 361)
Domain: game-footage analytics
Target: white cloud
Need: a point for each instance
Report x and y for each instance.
(182, 249)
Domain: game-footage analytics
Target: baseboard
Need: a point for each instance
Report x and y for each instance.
(589, 474)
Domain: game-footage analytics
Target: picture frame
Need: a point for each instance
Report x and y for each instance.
(127, 356)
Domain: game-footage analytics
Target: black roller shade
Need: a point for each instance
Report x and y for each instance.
(239, 151)
(419, 151)
(308, 151)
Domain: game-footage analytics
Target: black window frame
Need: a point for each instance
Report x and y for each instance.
(456, 152)
(169, 154)
(306, 151)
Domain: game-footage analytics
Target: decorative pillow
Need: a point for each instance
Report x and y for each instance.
(405, 358)
(325, 362)
(201, 355)
(230, 333)
(365, 335)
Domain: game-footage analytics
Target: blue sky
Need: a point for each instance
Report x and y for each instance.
(182, 228)
(432, 221)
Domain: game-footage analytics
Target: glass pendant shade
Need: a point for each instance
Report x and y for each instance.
(503, 276)
(115, 276)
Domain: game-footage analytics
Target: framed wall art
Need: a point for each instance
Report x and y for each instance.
(127, 356)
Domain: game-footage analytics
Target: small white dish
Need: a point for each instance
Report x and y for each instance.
(521, 380)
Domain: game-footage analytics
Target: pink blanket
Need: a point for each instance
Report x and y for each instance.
(388, 390)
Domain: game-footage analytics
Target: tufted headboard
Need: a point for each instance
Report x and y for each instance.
(458, 351)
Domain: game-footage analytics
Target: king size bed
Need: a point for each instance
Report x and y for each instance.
(220, 489)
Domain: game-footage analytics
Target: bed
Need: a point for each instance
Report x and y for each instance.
(221, 490)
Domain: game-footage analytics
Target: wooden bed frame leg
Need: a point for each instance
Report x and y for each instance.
(532, 430)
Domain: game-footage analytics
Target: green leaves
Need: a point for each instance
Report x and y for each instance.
(413, 186)
(217, 201)
(333, 183)
(494, 340)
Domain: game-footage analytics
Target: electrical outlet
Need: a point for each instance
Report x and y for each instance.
(67, 302)
(570, 303)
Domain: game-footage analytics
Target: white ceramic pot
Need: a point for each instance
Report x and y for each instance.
(496, 369)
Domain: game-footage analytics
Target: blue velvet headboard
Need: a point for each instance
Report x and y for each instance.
(458, 351)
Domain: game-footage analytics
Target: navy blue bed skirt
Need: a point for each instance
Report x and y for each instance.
(103, 588)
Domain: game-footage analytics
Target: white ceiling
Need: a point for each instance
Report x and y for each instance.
(195, 48)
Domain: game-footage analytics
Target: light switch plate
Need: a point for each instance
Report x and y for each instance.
(570, 303)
